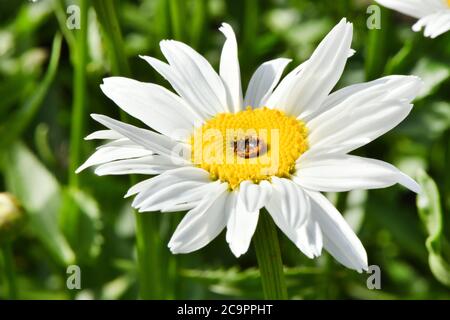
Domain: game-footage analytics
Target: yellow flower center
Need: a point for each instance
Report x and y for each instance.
(249, 145)
(448, 3)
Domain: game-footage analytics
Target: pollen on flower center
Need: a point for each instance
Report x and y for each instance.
(253, 144)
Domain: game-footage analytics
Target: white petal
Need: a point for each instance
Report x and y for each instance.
(183, 88)
(108, 154)
(171, 197)
(434, 24)
(286, 85)
(311, 237)
(338, 238)
(263, 81)
(152, 141)
(413, 8)
(441, 25)
(122, 143)
(103, 135)
(290, 210)
(185, 199)
(255, 196)
(139, 187)
(154, 105)
(203, 223)
(362, 114)
(230, 70)
(196, 75)
(295, 206)
(153, 164)
(306, 91)
(145, 190)
(388, 87)
(339, 173)
(241, 225)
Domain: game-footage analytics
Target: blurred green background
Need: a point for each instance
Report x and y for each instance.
(50, 78)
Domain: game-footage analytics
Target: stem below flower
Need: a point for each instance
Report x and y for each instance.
(79, 94)
(147, 249)
(268, 255)
(8, 261)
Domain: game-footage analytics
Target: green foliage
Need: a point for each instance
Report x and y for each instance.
(40, 194)
(49, 83)
(88, 241)
(430, 212)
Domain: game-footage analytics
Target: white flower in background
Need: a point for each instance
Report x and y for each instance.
(433, 15)
(309, 135)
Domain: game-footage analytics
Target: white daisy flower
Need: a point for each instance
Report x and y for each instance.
(433, 15)
(208, 163)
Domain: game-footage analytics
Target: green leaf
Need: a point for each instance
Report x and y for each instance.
(430, 212)
(432, 73)
(30, 17)
(20, 119)
(427, 123)
(89, 242)
(377, 46)
(116, 288)
(396, 63)
(355, 210)
(40, 194)
(246, 283)
(304, 36)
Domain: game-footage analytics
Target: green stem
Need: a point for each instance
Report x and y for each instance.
(249, 33)
(22, 118)
(177, 15)
(9, 270)
(79, 60)
(79, 98)
(148, 244)
(198, 23)
(376, 49)
(268, 255)
(161, 25)
(447, 173)
(61, 16)
(106, 13)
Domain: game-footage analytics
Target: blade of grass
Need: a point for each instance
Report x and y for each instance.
(161, 25)
(107, 16)
(79, 94)
(251, 22)
(8, 261)
(40, 195)
(376, 52)
(177, 15)
(198, 22)
(22, 118)
(61, 17)
(148, 243)
(447, 172)
(79, 61)
(430, 212)
(249, 36)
